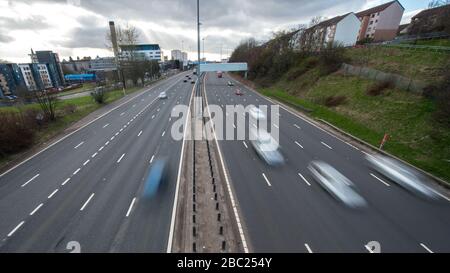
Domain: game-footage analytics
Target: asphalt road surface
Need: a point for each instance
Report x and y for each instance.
(285, 210)
(87, 188)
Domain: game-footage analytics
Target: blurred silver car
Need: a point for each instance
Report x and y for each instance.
(401, 174)
(339, 186)
(266, 147)
(163, 95)
(256, 113)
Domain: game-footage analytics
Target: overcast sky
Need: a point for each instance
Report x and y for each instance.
(78, 27)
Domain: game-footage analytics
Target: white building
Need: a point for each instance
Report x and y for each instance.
(28, 77)
(44, 75)
(147, 52)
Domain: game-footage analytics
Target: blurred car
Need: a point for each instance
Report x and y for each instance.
(266, 147)
(185, 80)
(157, 175)
(401, 174)
(193, 81)
(230, 83)
(162, 95)
(256, 113)
(339, 186)
(238, 92)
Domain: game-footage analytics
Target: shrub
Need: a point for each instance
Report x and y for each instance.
(378, 88)
(331, 58)
(70, 109)
(16, 132)
(440, 93)
(99, 95)
(334, 101)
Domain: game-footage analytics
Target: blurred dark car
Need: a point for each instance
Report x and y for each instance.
(157, 176)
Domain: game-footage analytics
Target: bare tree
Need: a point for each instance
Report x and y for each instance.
(438, 3)
(316, 20)
(47, 100)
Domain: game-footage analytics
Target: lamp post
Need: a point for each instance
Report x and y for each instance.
(198, 35)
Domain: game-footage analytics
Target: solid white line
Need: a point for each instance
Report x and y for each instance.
(26, 183)
(308, 248)
(326, 145)
(163, 133)
(87, 202)
(120, 159)
(304, 179)
(94, 155)
(245, 144)
(298, 144)
(53, 193)
(151, 159)
(267, 180)
(426, 248)
(65, 181)
(349, 144)
(36, 209)
(87, 162)
(16, 228)
(76, 147)
(379, 179)
(140, 133)
(131, 206)
(296, 126)
(106, 125)
(74, 173)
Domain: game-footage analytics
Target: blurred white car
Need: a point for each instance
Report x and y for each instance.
(339, 186)
(162, 95)
(266, 147)
(256, 113)
(401, 174)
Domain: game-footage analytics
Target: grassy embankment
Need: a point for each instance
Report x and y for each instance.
(408, 118)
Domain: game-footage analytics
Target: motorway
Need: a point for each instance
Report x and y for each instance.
(87, 187)
(285, 210)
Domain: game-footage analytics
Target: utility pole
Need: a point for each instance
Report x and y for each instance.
(198, 36)
(203, 48)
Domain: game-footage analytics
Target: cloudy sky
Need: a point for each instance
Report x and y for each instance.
(78, 27)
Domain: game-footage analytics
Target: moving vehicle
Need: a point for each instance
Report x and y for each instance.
(238, 92)
(266, 147)
(401, 174)
(157, 175)
(339, 186)
(219, 74)
(162, 95)
(230, 83)
(195, 71)
(256, 113)
(185, 80)
(193, 81)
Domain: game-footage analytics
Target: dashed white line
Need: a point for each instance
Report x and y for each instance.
(53, 193)
(106, 125)
(78, 146)
(131, 207)
(16, 228)
(245, 144)
(122, 114)
(112, 138)
(36, 209)
(379, 179)
(94, 155)
(234, 126)
(75, 172)
(326, 145)
(276, 126)
(163, 133)
(140, 133)
(267, 180)
(87, 202)
(298, 144)
(153, 116)
(107, 142)
(296, 126)
(151, 160)
(26, 183)
(120, 159)
(86, 162)
(117, 134)
(65, 182)
(101, 148)
(308, 248)
(426, 248)
(304, 179)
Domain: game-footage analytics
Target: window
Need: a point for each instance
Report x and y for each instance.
(371, 23)
(373, 15)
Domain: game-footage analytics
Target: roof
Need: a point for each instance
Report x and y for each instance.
(432, 12)
(332, 21)
(376, 9)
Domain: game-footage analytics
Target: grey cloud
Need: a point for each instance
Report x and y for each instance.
(5, 38)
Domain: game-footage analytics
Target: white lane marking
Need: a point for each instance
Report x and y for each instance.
(308, 248)
(326, 145)
(298, 144)
(267, 180)
(16, 228)
(94, 155)
(78, 146)
(296, 126)
(157, 110)
(107, 142)
(86, 162)
(106, 125)
(123, 113)
(101, 148)
(87, 202)
(163, 133)
(120, 159)
(426, 248)
(140, 133)
(254, 125)
(153, 116)
(26, 183)
(151, 159)
(304, 179)
(53, 193)
(234, 126)
(170, 119)
(65, 181)
(121, 130)
(245, 144)
(349, 144)
(36, 209)
(112, 138)
(75, 172)
(117, 134)
(276, 126)
(131, 207)
(379, 179)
